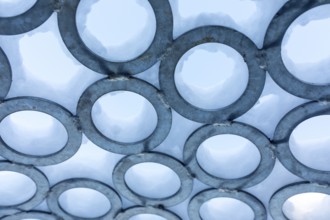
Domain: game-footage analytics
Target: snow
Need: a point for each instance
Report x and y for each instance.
(311, 62)
(126, 22)
(33, 133)
(146, 217)
(310, 142)
(307, 206)
(152, 180)
(43, 67)
(10, 8)
(84, 202)
(206, 73)
(120, 115)
(15, 188)
(227, 208)
(228, 156)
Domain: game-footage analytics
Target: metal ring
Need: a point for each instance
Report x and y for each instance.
(197, 201)
(37, 177)
(72, 145)
(127, 162)
(216, 34)
(58, 189)
(31, 215)
(129, 213)
(272, 47)
(102, 87)
(28, 20)
(278, 198)
(282, 135)
(161, 41)
(5, 75)
(267, 160)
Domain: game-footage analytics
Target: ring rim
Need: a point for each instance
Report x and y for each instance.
(31, 214)
(77, 47)
(118, 177)
(212, 34)
(61, 187)
(130, 212)
(272, 48)
(261, 142)
(5, 74)
(147, 91)
(52, 109)
(199, 199)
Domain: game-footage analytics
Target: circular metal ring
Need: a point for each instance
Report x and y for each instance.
(282, 135)
(58, 189)
(127, 162)
(161, 41)
(28, 20)
(278, 198)
(102, 87)
(42, 188)
(31, 215)
(275, 65)
(5, 75)
(197, 201)
(72, 145)
(129, 213)
(216, 34)
(267, 160)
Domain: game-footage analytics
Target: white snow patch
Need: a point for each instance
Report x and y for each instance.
(113, 29)
(306, 46)
(227, 209)
(120, 115)
(152, 180)
(84, 202)
(9, 8)
(147, 217)
(15, 188)
(33, 133)
(211, 75)
(228, 156)
(307, 206)
(310, 142)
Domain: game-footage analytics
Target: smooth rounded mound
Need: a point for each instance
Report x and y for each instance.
(306, 46)
(84, 202)
(310, 142)
(206, 74)
(226, 209)
(114, 29)
(228, 156)
(147, 217)
(307, 206)
(15, 188)
(10, 8)
(120, 116)
(33, 133)
(152, 180)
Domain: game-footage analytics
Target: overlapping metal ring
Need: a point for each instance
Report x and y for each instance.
(220, 121)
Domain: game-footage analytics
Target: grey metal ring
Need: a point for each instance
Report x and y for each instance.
(59, 188)
(72, 145)
(161, 41)
(272, 47)
(267, 160)
(42, 187)
(279, 197)
(221, 35)
(104, 86)
(28, 20)
(32, 215)
(5, 75)
(282, 135)
(129, 213)
(127, 162)
(197, 201)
